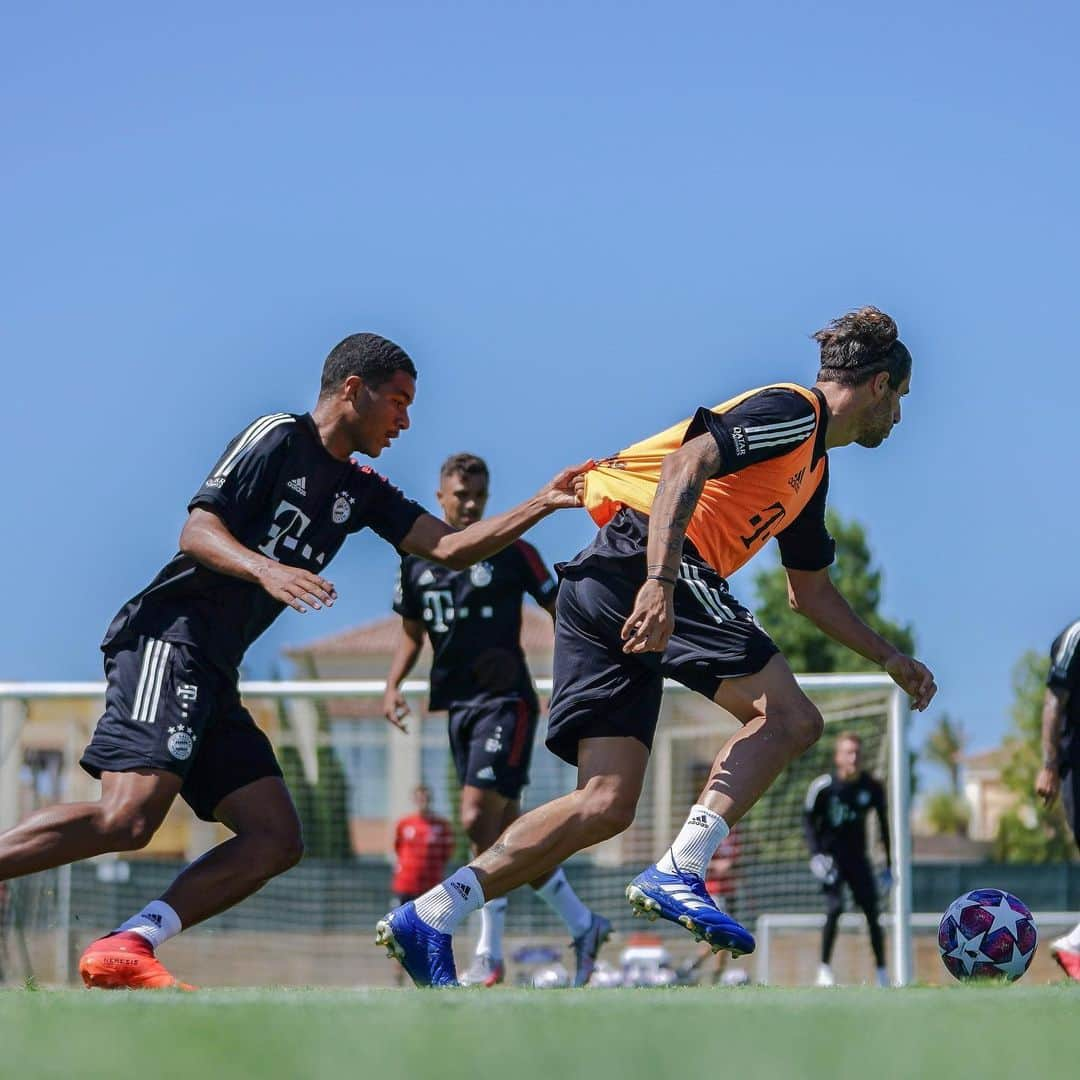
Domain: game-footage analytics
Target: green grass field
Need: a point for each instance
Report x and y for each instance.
(1011, 1031)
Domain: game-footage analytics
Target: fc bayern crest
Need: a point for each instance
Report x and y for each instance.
(342, 508)
(181, 742)
(480, 574)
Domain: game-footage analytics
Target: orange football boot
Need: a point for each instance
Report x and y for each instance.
(1067, 957)
(125, 961)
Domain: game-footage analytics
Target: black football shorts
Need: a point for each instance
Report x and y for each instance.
(492, 740)
(600, 691)
(167, 707)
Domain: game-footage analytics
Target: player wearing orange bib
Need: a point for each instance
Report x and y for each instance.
(648, 599)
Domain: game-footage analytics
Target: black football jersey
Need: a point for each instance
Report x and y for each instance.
(1065, 676)
(835, 815)
(473, 620)
(280, 492)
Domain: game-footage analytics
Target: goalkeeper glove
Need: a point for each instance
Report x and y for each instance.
(823, 867)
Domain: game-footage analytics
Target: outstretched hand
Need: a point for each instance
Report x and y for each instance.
(913, 677)
(568, 488)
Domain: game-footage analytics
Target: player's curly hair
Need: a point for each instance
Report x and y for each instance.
(375, 359)
(856, 346)
(463, 465)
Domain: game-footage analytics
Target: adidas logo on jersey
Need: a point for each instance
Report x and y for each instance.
(299, 485)
(426, 578)
(796, 480)
(701, 820)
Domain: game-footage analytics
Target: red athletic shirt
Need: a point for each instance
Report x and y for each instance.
(423, 846)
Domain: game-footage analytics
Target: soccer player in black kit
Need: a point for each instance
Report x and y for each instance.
(835, 825)
(259, 535)
(480, 678)
(1060, 770)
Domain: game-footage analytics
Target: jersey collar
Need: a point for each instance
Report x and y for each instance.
(823, 424)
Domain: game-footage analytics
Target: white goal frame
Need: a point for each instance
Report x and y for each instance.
(15, 698)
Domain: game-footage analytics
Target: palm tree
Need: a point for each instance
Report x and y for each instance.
(944, 746)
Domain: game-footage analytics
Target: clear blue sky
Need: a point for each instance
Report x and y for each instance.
(582, 220)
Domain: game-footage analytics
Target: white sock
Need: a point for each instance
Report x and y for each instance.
(696, 843)
(444, 907)
(157, 922)
(559, 895)
(1072, 938)
(492, 921)
(882, 977)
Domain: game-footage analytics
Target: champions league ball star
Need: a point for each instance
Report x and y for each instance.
(987, 934)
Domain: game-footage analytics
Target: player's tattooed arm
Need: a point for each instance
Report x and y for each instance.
(1048, 780)
(813, 594)
(207, 540)
(682, 478)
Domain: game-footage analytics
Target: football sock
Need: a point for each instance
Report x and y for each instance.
(559, 895)
(157, 922)
(445, 906)
(492, 921)
(882, 977)
(696, 844)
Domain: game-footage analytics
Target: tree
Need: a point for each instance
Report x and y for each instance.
(1029, 832)
(947, 814)
(809, 650)
(944, 746)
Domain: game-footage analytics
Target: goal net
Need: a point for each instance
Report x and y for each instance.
(352, 777)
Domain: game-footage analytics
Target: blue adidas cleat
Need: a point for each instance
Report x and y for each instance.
(586, 946)
(427, 955)
(682, 898)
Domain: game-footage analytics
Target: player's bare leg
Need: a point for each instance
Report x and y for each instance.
(611, 772)
(485, 815)
(267, 842)
(779, 723)
(610, 776)
(129, 812)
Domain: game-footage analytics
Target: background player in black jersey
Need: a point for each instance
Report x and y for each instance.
(480, 677)
(259, 534)
(1061, 759)
(835, 825)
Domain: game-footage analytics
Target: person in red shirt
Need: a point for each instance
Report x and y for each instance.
(422, 843)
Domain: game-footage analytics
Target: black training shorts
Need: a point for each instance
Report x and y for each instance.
(167, 707)
(601, 691)
(492, 740)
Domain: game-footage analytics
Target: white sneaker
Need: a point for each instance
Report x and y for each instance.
(824, 976)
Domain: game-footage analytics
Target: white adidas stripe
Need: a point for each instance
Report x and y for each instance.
(781, 425)
(815, 789)
(1066, 651)
(250, 437)
(806, 425)
(151, 677)
(797, 438)
(707, 597)
(148, 654)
